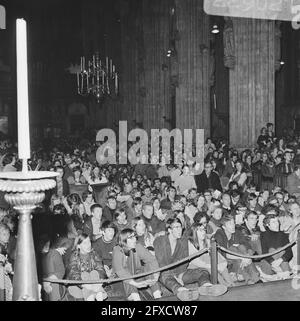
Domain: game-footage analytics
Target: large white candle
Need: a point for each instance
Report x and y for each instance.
(22, 91)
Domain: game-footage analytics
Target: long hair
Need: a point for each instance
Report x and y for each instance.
(123, 236)
(147, 234)
(79, 239)
(242, 165)
(193, 237)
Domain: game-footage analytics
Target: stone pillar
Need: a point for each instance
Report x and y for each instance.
(193, 50)
(156, 25)
(252, 78)
(129, 73)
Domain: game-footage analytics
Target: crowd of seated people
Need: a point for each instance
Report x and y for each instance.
(148, 216)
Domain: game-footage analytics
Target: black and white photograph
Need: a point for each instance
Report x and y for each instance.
(149, 154)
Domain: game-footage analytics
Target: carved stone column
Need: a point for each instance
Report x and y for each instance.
(193, 49)
(156, 25)
(252, 80)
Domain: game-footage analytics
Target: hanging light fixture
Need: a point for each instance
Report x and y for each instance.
(97, 78)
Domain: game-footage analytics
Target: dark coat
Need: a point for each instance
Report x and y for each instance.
(203, 183)
(108, 214)
(164, 256)
(275, 240)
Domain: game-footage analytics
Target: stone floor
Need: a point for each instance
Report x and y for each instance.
(271, 291)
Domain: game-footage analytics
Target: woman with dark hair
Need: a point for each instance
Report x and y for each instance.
(143, 236)
(263, 138)
(74, 205)
(84, 265)
(239, 175)
(136, 208)
(248, 168)
(190, 211)
(127, 260)
(281, 145)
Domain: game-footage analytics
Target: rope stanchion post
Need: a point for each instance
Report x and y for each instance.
(298, 250)
(214, 261)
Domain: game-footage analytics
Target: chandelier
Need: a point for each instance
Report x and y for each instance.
(97, 78)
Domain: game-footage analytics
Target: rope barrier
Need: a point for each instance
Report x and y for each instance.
(167, 267)
(262, 256)
(101, 281)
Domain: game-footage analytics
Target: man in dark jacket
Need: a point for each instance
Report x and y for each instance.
(232, 239)
(273, 239)
(109, 209)
(208, 179)
(173, 247)
(166, 203)
(62, 186)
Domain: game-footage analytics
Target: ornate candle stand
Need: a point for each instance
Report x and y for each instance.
(24, 190)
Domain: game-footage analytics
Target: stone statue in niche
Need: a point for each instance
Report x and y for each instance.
(228, 41)
(278, 35)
